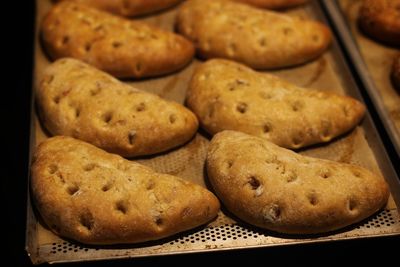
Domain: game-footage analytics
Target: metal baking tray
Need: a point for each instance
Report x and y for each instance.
(361, 146)
(372, 60)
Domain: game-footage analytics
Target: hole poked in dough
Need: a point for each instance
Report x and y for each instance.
(57, 99)
(325, 173)
(241, 107)
(272, 213)
(48, 79)
(315, 38)
(107, 186)
(266, 128)
(291, 176)
(312, 198)
(346, 111)
(265, 95)
(232, 86)
(60, 177)
(86, 219)
(52, 169)
(141, 107)
(256, 186)
(117, 44)
(121, 206)
(254, 183)
(356, 173)
(97, 90)
(352, 204)
(72, 189)
(77, 112)
(172, 118)
(326, 128)
(98, 28)
(131, 137)
(107, 117)
(88, 47)
(262, 41)
(298, 140)
(89, 167)
(229, 164)
(297, 106)
(271, 159)
(287, 31)
(65, 40)
(158, 220)
(150, 185)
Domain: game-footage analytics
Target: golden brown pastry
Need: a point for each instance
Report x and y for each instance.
(380, 19)
(274, 4)
(121, 47)
(277, 189)
(258, 38)
(77, 100)
(94, 197)
(129, 8)
(226, 95)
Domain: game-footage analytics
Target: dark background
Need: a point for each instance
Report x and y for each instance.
(17, 36)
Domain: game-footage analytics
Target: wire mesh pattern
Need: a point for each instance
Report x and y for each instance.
(231, 232)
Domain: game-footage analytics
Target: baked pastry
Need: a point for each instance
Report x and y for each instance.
(121, 47)
(226, 95)
(86, 194)
(274, 4)
(380, 19)
(259, 38)
(77, 100)
(396, 72)
(129, 8)
(285, 192)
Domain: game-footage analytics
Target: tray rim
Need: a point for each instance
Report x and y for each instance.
(340, 23)
(367, 123)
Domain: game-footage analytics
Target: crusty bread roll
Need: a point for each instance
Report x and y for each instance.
(77, 100)
(129, 8)
(277, 189)
(226, 95)
(274, 4)
(121, 47)
(88, 195)
(259, 38)
(380, 19)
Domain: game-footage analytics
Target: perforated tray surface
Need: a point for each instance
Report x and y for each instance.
(361, 146)
(225, 236)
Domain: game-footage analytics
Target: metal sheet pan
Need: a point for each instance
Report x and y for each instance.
(361, 146)
(373, 61)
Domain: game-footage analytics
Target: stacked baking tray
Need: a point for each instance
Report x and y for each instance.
(372, 61)
(362, 146)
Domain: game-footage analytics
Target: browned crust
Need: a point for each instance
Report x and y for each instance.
(274, 4)
(380, 19)
(121, 47)
(88, 195)
(226, 95)
(75, 99)
(129, 8)
(285, 192)
(224, 29)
